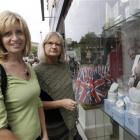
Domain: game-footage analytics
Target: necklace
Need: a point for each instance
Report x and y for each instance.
(26, 72)
(21, 71)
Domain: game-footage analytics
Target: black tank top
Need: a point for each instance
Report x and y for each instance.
(52, 115)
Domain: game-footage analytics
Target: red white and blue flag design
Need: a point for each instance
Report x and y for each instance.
(92, 85)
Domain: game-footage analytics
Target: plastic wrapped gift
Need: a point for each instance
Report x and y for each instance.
(132, 122)
(91, 86)
(127, 102)
(113, 92)
(108, 107)
(114, 87)
(134, 95)
(134, 108)
(120, 105)
(118, 110)
(118, 115)
(112, 96)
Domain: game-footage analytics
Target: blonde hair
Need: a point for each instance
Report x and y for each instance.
(8, 19)
(41, 53)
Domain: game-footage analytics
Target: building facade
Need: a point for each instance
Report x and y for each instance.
(102, 32)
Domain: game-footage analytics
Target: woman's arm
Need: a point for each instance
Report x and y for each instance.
(6, 134)
(68, 104)
(43, 124)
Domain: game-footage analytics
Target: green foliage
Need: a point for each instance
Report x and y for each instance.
(34, 49)
(89, 38)
(89, 44)
(73, 45)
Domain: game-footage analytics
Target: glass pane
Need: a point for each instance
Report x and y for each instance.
(105, 32)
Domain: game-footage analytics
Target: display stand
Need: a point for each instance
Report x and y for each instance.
(95, 124)
(120, 132)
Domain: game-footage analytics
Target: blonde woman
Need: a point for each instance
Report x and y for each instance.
(57, 93)
(21, 113)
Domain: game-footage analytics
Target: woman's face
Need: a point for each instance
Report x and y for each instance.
(13, 39)
(53, 47)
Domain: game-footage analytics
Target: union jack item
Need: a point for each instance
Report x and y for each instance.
(92, 85)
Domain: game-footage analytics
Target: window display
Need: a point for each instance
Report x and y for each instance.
(108, 37)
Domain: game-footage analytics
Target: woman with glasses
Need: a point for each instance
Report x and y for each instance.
(57, 92)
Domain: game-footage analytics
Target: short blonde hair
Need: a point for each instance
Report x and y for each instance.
(41, 52)
(8, 19)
